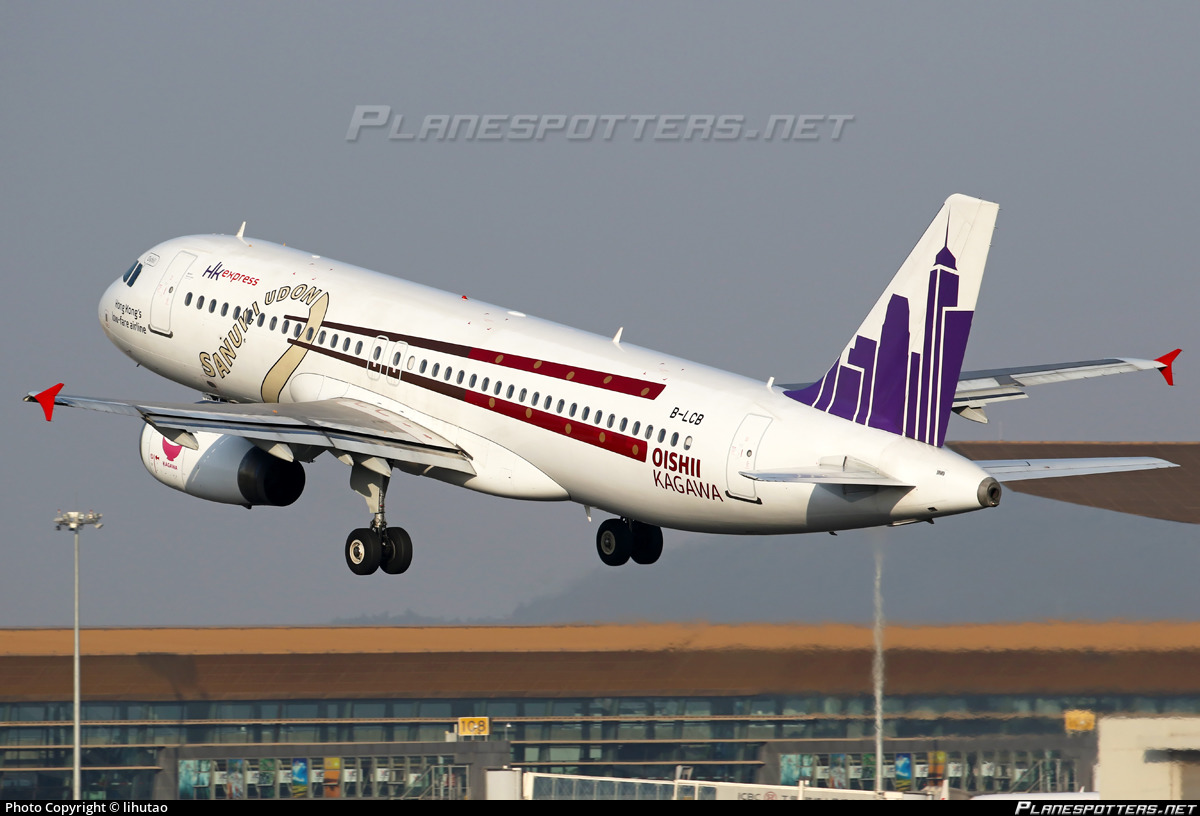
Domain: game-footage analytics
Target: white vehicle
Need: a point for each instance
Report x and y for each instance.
(296, 354)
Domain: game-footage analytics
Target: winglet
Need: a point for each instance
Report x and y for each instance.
(1167, 360)
(46, 399)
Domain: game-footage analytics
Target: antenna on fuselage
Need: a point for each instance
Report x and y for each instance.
(241, 231)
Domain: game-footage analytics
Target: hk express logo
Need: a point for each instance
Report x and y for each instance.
(218, 272)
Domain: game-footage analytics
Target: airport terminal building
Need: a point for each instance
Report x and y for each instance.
(361, 712)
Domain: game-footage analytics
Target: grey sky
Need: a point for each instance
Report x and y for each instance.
(127, 124)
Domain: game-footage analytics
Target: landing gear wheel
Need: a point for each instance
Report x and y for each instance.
(647, 543)
(363, 551)
(614, 542)
(397, 551)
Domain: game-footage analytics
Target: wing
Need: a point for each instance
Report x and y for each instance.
(344, 426)
(978, 388)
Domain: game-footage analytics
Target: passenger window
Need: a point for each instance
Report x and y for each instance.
(524, 391)
(272, 326)
(321, 338)
(484, 387)
(624, 421)
(674, 439)
(237, 310)
(308, 335)
(395, 359)
(436, 368)
(333, 341)
(508, 394)
(560, 405)
(212, 306)
(687, 443)
(662, 434)
(200, 302)
(536, 398)
(346, 344)
(586, 411)
(649, 431)
(224, 309)
(423, 362)
(187, 301)
(299, 329)
(499, 385)
(411, 361)
(471, 384)
(461, 374)
(611, 417)
(375, 354)
(449, 371)
(285, 326)
(548, 401)
(261, 318)
(574, 405)
(358, 348)
(637, 426)
(599, 416)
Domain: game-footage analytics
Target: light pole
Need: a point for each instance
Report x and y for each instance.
(73, 520)
(877, 665)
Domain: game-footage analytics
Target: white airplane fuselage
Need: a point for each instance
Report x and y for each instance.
(673, 436)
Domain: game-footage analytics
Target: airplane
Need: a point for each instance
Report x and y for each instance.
(295, 354)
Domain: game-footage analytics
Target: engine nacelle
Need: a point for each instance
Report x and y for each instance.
(227, 469)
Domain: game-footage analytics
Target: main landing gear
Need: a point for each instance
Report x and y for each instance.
(619, 540)
(378, 546)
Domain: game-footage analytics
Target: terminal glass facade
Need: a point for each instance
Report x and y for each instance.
(313, 748)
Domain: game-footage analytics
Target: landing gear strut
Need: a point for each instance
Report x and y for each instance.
(369, 548)
(618, 540)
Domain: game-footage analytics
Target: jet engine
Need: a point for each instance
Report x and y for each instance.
(227, 469)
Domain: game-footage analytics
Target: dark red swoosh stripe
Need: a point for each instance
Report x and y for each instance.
(594, 435)
(618, 383)
(590, 434)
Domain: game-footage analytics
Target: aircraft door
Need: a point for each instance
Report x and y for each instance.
(399, 351)
(164, 295)
(378, 360)
(742, 453)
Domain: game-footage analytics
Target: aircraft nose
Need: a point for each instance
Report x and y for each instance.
(115, 307)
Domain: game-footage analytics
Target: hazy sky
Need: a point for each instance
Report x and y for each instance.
(127, 124)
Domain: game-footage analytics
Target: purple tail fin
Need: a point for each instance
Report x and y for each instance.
(900, 371)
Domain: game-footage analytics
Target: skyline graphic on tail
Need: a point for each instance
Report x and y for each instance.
(900, 371)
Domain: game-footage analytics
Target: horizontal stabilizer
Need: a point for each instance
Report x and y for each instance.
(1015, 470)
(839, 470)
(340, 425)
(1164, 493)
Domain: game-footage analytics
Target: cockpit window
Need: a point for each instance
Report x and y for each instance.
(132, 273)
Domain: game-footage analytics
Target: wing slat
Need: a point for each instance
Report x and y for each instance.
(341, 425)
